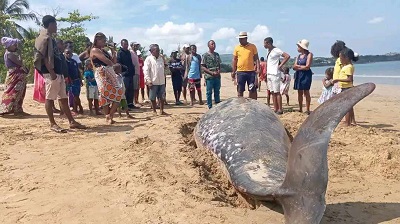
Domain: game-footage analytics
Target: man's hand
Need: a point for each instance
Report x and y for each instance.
(149, 83)
(233, 75)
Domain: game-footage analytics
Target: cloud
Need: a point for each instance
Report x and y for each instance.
(163, 8)
(259, 33)
(376, 20)
(223, 33)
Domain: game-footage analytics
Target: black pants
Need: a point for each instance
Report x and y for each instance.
(177, 82)
(128, 82)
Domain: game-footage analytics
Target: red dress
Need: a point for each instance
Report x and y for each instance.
(263, 70)
(141, 75)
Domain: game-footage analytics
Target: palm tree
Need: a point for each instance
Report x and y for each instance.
(10, 14)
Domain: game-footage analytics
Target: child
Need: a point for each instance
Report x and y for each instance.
(327, 82)
(263, 72)
(76, 81)
(123, 104)
(92, 91)
(345, 79)
(285, 84)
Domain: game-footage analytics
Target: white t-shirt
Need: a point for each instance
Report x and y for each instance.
(273, 61)
(76, 58)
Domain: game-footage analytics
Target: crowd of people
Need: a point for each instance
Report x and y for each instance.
(114, 79)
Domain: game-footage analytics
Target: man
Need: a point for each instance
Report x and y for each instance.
(193, 73)
(184, 58)
(211, 65)
(48, 61)
(136, 78)
(124, 58)
(176, 68)
(70, 45)
(244, 57)
(155, 78)
(274, 69)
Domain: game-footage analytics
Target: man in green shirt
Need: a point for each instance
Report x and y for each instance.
(211, 66)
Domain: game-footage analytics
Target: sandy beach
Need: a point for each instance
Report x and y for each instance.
(148, 170)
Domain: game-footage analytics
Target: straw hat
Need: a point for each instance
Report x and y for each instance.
(303, 44)
(242, 35)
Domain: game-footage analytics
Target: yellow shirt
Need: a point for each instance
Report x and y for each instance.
(344, 72)
(245, 55)
(336, 69)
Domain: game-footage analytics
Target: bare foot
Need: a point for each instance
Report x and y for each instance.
(201, 103)
(155, 113)
(76, 125)
(130, 116)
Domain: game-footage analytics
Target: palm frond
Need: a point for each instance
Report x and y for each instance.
(24, 16)
(17, 7)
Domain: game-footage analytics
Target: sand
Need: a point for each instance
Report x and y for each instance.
(148, 170)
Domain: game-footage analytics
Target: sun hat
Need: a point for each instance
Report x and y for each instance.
(185, 46)
(242, 35)
(303, 44)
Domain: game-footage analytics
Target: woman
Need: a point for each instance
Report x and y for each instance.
(110, 87)
(303, 74)
(336, 48)
(14, 93)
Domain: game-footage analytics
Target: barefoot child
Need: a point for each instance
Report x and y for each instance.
(285, 84)
(92, 91)
(327, 82)
(345, 79)
(123, 104)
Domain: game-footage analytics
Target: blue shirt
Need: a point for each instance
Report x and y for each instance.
(194, 71)
(89, 75)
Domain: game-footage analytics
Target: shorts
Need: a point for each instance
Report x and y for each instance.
(274, 82)
(157, 91)
(76, 87)
(92, 92)
(246, 77)
(55, 89)
(136, 85)
(141, 81)
(194, 84)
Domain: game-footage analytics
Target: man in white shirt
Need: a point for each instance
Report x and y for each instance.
(154, 77)
(274, 69)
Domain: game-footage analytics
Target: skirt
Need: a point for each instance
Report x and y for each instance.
(110, 87)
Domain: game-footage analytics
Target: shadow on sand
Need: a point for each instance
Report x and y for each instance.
(353, 212)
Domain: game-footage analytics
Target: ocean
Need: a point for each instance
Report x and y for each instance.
(378, 73)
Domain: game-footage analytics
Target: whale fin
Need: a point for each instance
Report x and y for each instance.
(307, 167)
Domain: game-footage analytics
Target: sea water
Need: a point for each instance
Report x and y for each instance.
(378, 73)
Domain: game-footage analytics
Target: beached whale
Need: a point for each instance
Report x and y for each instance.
(261, 162)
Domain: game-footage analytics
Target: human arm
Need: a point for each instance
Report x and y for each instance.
(199, 57)
(257, 61)
(97, 53)
(15, 59)
(327, 82)
(234, 66)
(348, 79)
(286, 58)
(147, 72)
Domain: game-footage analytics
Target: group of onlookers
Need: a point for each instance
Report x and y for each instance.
(113, 79)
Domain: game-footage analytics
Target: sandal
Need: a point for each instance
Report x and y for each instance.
(58, 129)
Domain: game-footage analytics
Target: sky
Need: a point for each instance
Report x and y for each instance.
(366, 26)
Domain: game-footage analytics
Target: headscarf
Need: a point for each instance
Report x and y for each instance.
(8, 42)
